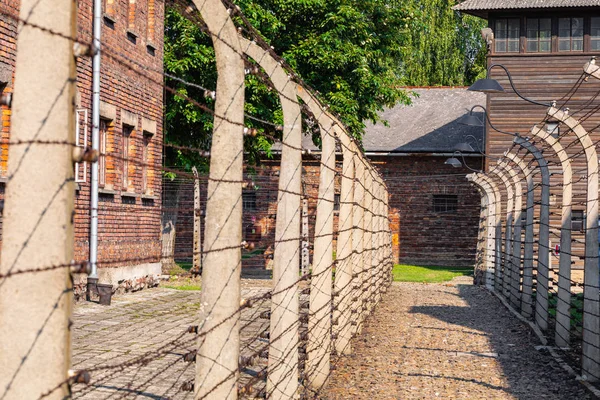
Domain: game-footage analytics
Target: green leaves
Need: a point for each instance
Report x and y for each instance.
(358, 54)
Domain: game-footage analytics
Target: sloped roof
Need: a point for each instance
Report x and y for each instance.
(481, 7)
(428, 125)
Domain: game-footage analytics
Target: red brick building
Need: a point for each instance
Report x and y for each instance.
(131, 134)
(434, 211)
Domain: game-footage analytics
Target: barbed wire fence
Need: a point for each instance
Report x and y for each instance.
(276, 343)
(519, 245)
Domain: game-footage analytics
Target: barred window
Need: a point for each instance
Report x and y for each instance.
(445, 203)
(249, 200)
(577, 220)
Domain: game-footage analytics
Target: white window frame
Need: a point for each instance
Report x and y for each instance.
(81, 166)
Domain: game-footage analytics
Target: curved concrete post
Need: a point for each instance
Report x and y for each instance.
(358, 241)
(217, 369)
(490, 223)
(526, 303)
(282, 377)
(591, 302)
(35, 307)
(380, 242)
(563, 306)
(506, 265)
(515, 264)
(541, 298)
(368, 239)
(319, 321)
(497, 210)
(343, 272)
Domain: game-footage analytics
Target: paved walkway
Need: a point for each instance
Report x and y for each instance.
(448, 341)
(134, 348)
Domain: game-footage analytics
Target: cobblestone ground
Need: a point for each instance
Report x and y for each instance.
(134, 348)
(448, 341)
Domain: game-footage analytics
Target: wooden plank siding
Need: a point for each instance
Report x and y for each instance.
(546, 78)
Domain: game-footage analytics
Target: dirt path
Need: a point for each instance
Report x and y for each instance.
(448, 341)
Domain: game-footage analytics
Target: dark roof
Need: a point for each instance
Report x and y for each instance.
(429, 125)
(481, 7)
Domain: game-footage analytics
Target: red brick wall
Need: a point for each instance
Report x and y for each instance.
(131, 82)
(420, 235)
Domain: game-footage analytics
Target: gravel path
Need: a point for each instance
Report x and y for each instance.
(448, 341)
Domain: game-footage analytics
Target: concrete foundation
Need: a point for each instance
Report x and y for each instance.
(123, 279)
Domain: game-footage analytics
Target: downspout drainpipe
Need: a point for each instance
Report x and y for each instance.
(95, 143)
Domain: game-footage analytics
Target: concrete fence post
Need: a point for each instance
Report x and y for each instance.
(497, 233)
(487, 235)
(515, 279)
(282, 370)
(343, 272)
(591, 294)
(357, 242)
(507, 258)
(35, 308)
(367, 304)
(197, 249)
(541, 298)
(319, 321)
(562, 332)
(379, 240)
(217, 367)
(527, 284)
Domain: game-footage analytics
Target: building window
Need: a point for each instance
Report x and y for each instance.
(577, 220)
(570, 34)
(151, 20)
(595, 33)
(336, 202)
(110, 8)
(81, 140)
(539, 35)
(507, 35)
(102, 157)
(445, 203)
(127, 131)
(131, 15)
(146, 159)
(249, 200)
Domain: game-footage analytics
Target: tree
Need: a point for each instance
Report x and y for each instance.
(448, 49)
(358, 54)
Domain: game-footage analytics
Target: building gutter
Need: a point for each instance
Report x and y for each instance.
(93, 256)
(392, 154)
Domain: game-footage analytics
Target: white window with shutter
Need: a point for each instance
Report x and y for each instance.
(81, 140)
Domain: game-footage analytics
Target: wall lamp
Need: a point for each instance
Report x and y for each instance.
(472, 120)
(456, 163)
(489, 85)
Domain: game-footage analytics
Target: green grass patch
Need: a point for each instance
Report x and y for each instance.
(428, 274)
(249, 254)
(576, 308)
(185, 266)
(182, 284)
(183, 287)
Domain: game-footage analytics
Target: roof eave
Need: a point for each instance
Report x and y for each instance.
(476, 13)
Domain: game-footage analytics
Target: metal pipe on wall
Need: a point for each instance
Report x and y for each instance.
(97, 31)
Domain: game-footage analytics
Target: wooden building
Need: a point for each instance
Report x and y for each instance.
(544, 45)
